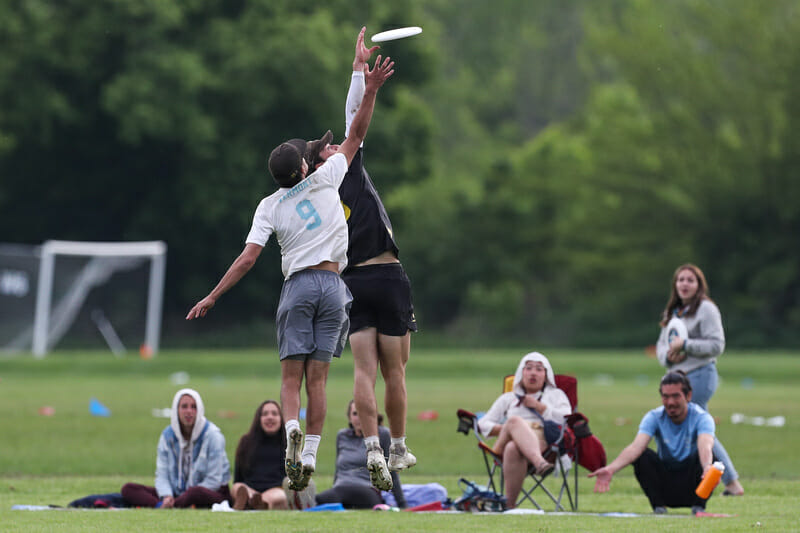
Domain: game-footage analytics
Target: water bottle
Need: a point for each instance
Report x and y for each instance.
(710, 480)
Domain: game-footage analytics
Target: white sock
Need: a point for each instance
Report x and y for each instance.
(290, 425)
(372, 442)
(399, 441)
(310, 447)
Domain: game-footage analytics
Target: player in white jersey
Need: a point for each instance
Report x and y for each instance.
(307, 218)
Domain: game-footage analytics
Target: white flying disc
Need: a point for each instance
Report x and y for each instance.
(398, 33)
(676, 328)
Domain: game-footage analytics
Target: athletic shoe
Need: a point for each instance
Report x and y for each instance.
(660, 510)
(294, 466)
(400, 458)
(306, 471)
(378, 472)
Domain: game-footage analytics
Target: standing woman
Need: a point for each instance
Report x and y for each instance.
(259, 467)
(696, 355)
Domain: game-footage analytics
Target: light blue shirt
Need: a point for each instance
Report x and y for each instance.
(677, 443)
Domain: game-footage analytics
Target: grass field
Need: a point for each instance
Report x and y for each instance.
(55, 459)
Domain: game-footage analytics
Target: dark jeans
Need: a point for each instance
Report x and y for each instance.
(668, 488)
(143, 496)
(351, 496)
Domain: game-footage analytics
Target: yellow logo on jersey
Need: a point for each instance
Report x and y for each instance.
(346, 211)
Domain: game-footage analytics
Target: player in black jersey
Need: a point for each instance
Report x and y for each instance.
(382, 314)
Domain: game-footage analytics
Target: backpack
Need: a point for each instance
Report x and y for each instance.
(477, 498)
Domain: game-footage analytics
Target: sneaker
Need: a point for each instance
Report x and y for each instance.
(400, 458)
(660, 510)
(378, 471)
(240, 499)
(294, 466)
(306, 471)
(697, 509)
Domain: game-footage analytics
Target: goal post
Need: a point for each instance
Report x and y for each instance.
(114, 255)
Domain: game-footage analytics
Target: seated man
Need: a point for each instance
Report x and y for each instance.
(684, 433)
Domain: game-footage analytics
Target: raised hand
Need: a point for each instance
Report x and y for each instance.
(362, 52)
(380, 72)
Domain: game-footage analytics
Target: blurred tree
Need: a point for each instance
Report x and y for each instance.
(128, 120)
(546, 164)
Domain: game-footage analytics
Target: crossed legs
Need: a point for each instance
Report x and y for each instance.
(518, 445)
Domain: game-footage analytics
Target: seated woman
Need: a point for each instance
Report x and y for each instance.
(517, 419)
(259, 465)
(192, 468)
(351, 483)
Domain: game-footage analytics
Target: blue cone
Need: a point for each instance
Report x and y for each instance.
(98, 409)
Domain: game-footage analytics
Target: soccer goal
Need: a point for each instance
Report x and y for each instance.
(45, 289)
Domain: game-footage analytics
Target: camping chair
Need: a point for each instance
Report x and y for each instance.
(563, 460)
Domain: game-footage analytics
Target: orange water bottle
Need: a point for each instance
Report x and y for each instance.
(710, 480)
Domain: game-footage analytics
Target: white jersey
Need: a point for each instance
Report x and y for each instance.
(308, 219)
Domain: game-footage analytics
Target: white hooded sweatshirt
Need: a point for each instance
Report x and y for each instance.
(508, 404)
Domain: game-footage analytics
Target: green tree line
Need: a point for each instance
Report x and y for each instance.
(546, 165)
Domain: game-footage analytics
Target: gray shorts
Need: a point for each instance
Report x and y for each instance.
(312, 316)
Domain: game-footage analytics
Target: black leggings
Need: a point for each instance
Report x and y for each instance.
(351, 496)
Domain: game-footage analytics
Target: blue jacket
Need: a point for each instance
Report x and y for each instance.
(210, 467)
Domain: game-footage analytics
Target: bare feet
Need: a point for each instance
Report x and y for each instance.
(240, 498)
(256, 502)
(734, 488)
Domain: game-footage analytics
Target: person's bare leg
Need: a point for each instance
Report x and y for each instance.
(364, 345)
(515, 468)
(527, 442)
(502, 439)
(393, 355)
(316, 379)
(291, 381)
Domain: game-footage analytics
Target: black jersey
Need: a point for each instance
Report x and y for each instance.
(368, 226)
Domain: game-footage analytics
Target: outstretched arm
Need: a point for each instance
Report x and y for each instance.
(356, 92)
(626, 457)
(375, 78)
(237, 270)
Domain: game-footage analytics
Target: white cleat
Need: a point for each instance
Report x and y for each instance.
(378, 472)
(294, 466)
(400, 458)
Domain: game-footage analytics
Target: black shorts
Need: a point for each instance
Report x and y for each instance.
(381, 299)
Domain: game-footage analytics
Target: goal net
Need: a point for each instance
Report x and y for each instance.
(76, 293)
